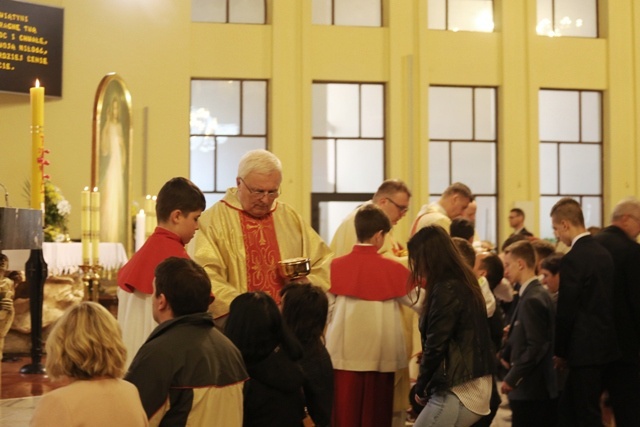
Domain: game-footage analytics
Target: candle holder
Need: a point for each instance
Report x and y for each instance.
(91, 281)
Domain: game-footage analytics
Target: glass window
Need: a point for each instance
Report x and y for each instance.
(463, 148)
(572, 18)
(450, 112)
(362, 13)
(439, 167)
(330, 216)
(465, 158)
(367, 152)
(229, 11)
(560, 116)
(579, 168)
(347, 124)
(570, 153)
(461, 15)
(548, 168)
(228, 118)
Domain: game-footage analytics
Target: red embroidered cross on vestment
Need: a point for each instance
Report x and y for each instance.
(263, 254)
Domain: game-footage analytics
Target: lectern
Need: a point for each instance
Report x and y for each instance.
(22, 229)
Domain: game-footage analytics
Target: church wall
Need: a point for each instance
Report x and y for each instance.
(156, 49)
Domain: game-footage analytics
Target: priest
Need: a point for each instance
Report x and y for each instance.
(243, 236)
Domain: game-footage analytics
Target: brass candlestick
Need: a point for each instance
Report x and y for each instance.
(91, 281)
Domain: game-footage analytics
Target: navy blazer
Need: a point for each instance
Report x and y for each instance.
(585, 332)
(531, 340)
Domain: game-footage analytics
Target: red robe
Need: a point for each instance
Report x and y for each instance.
(367, 275)
(139, 272)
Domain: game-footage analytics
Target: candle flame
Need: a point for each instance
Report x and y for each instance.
(95, 189)
(37, 83)
(86, 188)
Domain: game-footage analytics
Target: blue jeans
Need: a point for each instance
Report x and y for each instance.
(445, 409)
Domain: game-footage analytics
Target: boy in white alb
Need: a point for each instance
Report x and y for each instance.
(179, 205)
(365, 335)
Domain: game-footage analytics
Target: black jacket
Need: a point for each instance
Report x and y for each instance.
(318, 384)
(626, 288)
(273, 395)
(585, 332)
(531, 340)
(456, 346)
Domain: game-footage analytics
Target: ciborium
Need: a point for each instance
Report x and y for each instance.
(294, 268)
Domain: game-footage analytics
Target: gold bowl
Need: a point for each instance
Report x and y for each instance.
(293, 268)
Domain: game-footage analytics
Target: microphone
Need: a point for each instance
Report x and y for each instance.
(6, 195)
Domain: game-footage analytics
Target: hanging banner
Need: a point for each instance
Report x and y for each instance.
(30, 47)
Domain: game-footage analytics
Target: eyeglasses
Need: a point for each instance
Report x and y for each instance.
(401, 208)
(259, 194)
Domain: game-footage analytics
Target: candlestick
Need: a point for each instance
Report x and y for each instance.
(140, 229)
(85, 226)
(95, 225)
(37, 146)
(91, 281)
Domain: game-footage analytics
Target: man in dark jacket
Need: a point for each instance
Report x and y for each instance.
(585, 332)
(187, 372)
(622, 378)
(531, 381)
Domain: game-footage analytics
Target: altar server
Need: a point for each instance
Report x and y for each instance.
(179, 205)
(365, 336)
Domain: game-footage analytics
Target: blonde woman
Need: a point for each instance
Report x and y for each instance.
(86, 347)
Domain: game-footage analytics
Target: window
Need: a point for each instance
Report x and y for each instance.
(347, 150)
(570, 153)
(574, 18)
(229, 11)
(462, 148)
(461, 15)
(363, 13)
(228, 118)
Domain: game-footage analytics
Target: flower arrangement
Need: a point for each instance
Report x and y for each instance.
(56, 214)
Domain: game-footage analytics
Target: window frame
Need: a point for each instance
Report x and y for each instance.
(558, 144)
(335, 196)
(451, 141)
(215, 136)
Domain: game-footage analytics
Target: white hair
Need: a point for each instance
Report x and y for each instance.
(259, 161)
(627, 206)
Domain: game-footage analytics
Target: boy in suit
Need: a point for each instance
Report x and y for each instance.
(531, 381)
(585, 331)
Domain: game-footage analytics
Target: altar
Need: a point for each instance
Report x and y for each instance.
(64, 258)
(63, 286)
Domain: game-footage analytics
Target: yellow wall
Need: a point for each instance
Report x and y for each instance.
(153, 45)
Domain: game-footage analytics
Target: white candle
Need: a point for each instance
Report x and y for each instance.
(95, 225)
(85, 226)
(150, 211)
(140, 229)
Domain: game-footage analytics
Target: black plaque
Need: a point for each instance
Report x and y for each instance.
(30, 47)
(20, 228)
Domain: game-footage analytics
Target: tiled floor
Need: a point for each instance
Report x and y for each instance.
(17, 412)
(20, 393)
